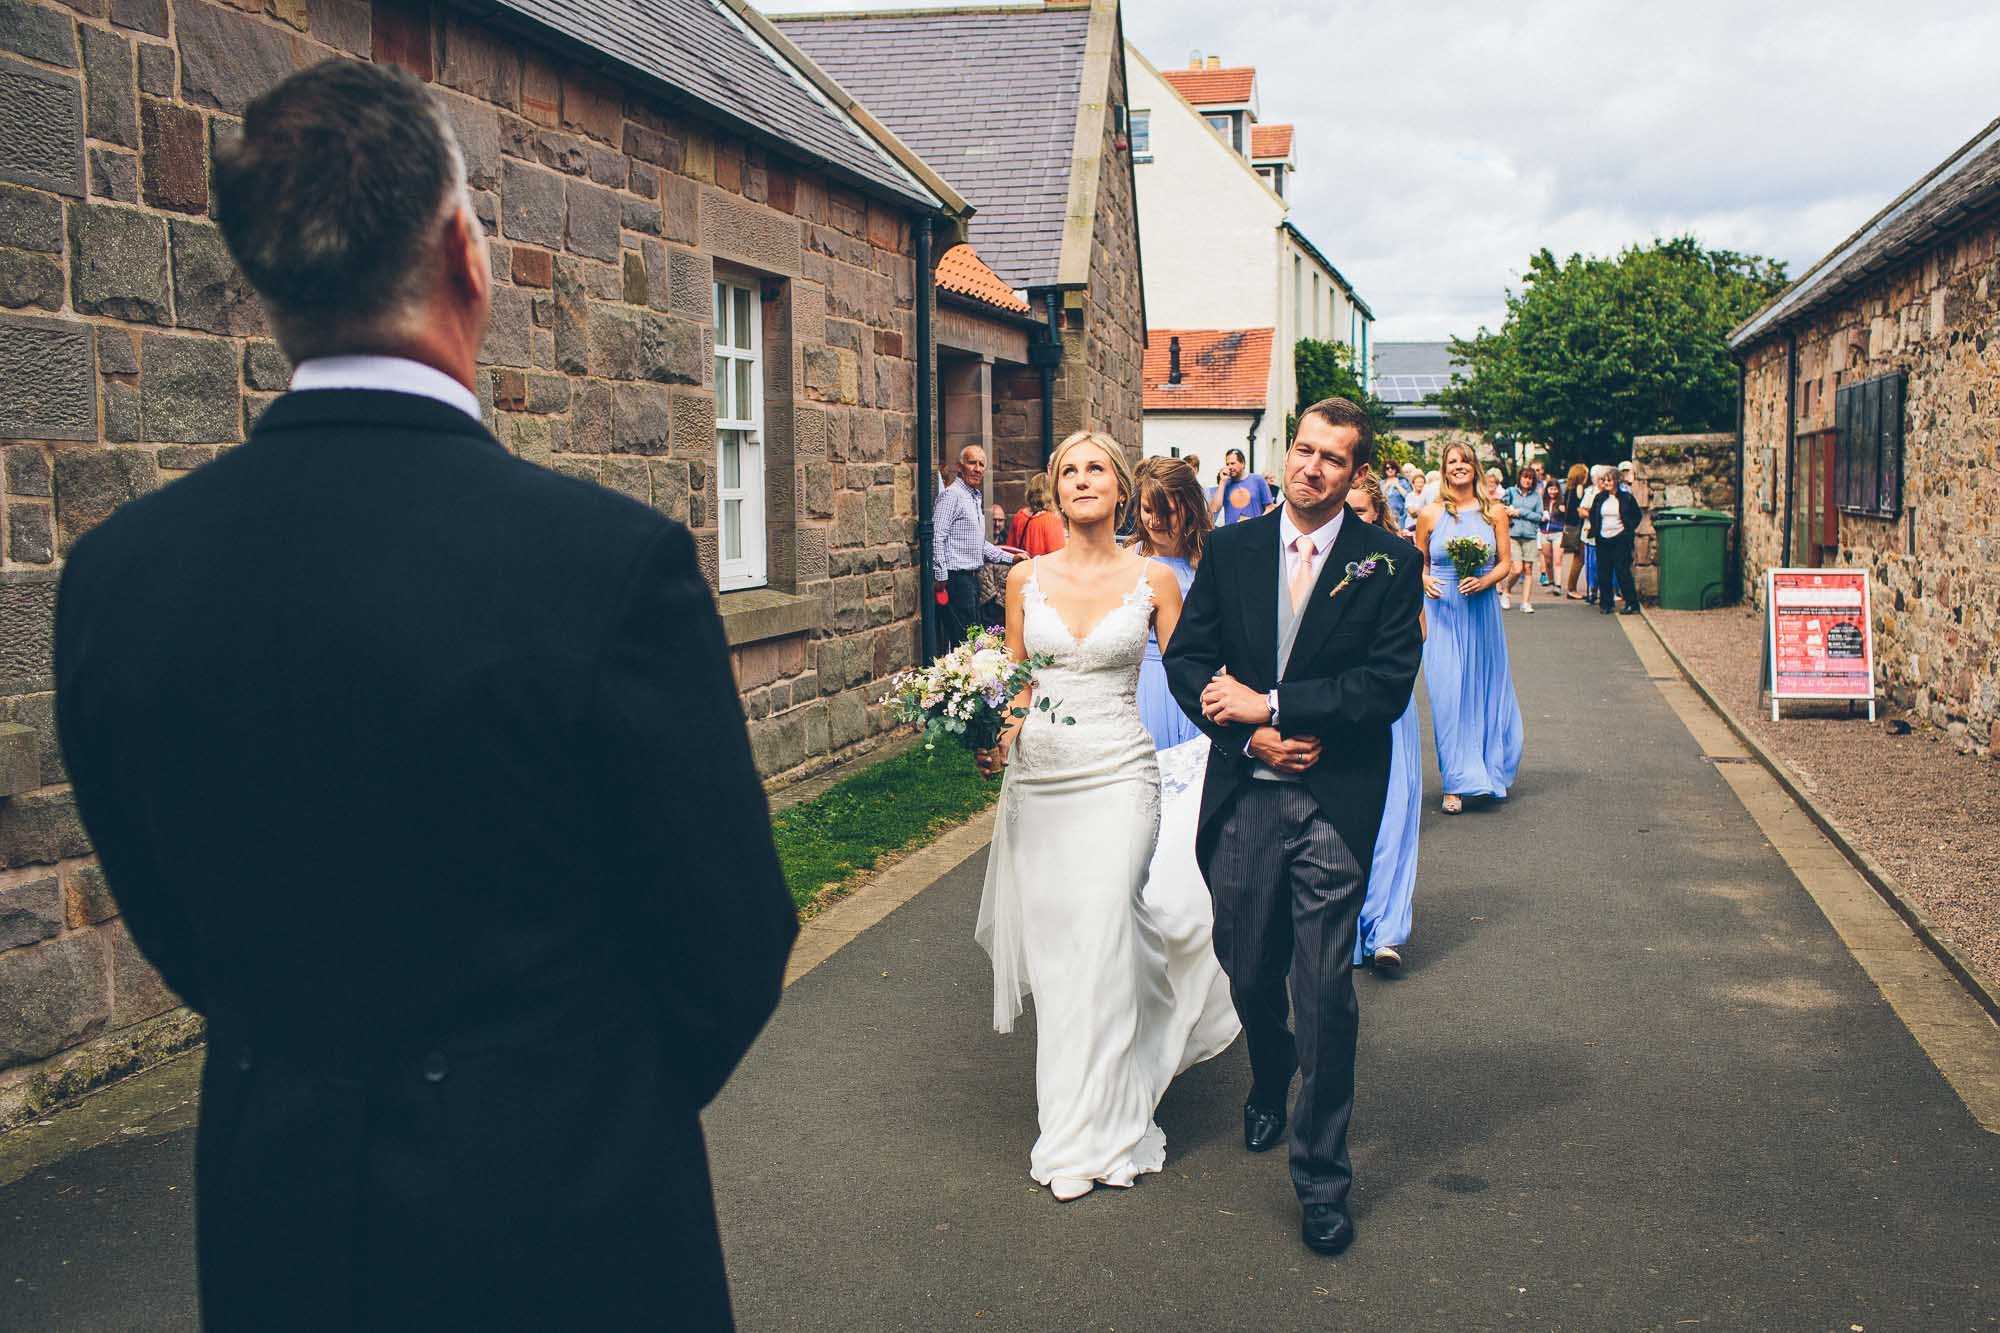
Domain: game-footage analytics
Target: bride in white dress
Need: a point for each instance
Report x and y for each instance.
(1125, 984)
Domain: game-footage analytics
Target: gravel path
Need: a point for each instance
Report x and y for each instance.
(1926, 812)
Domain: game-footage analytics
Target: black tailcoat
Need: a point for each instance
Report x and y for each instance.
(1349, 677)
(420, 771)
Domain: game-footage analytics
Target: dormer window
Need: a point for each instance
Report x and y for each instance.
(1228, 124)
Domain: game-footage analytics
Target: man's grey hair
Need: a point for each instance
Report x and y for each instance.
(334, 198)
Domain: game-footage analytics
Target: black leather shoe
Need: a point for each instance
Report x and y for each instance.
(1262, 1128)
(1326, 1228)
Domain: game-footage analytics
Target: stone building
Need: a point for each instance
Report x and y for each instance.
(708, 296)
(1023, 109)
(1871, 435)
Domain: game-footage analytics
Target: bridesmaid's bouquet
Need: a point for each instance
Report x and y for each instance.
(1469, 556)
(966, 694)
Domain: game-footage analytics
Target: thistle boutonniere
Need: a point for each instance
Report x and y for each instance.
(1363, 569)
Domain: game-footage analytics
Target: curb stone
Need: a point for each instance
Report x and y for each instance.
(1880, 880)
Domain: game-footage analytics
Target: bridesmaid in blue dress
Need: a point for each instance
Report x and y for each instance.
(1173, 523)
(1474, 713)
(1392, 876)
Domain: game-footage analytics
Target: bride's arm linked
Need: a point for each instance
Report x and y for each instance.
(990, 762)
(1194, 655)
(1166, 602)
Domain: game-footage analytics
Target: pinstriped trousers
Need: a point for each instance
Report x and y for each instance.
(1288, 894)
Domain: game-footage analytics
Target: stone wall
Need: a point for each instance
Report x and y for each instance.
(1677, 471)
(1935, 568)
(1100, 385)
(132, 352)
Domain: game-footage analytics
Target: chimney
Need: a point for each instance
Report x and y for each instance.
(1194, 60)
(1215, 62)
(1174, 359)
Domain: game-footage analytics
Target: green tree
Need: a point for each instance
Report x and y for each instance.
(1595, 351)
(1327, 370)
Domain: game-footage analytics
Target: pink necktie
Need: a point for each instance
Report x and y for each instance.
(1302, 573)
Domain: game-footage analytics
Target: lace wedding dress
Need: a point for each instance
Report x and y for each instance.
(1127, 990)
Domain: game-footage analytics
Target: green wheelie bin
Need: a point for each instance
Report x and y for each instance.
(1693, 552)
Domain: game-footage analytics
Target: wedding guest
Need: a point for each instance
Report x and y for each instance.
(1576, 494)
(1173, 523)
(1549, 539)
(1384, 927)
(454, 839)
(1475, 718)
(1397, 493)
(1613, 520)
(959, 547)
(1524, 521)
(1238, 492)
(1036, 528)
(997, 530)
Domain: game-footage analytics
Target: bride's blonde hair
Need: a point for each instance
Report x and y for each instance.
(1121, 467)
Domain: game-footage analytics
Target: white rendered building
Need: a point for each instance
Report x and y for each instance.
(1221, 258)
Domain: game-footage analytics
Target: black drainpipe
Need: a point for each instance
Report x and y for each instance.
(1048, 356)
(926, 480)
(1250, 443)
(1733, 574)
(1791, 430)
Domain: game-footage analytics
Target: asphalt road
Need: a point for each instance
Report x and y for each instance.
(1631, 1079)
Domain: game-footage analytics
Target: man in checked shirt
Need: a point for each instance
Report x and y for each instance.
(959, 547)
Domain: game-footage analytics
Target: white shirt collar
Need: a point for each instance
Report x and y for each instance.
(393, 374)
(1322, 540)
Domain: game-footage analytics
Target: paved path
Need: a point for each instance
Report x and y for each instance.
(1632, 1079)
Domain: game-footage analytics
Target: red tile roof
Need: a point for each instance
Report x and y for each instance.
(961, 270)
(1222, 370)
(1212, 87)
(1269, 142)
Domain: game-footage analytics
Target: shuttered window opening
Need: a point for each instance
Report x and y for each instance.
(1868, 470)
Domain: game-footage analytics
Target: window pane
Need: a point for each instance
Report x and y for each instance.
(732, 529)
(722, 405)
(740, 326)
(746, 407)
(721, 315)
(732, 459)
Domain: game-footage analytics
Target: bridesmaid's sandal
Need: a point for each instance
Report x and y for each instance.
(1453, 804)
(1066, 1189)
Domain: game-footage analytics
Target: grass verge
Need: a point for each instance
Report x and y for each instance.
(847, 829)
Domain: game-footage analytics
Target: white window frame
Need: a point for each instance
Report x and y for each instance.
(743, 526)
(1139, 133)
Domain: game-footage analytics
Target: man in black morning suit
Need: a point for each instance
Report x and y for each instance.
(419, 770)
(1297, 650)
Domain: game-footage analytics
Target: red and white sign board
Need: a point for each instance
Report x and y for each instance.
(1820, 635)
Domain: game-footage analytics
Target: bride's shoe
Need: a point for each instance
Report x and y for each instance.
(1065, 1188)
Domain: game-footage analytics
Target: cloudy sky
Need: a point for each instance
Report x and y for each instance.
(1441, 143)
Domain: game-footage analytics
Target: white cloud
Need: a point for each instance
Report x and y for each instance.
(1442, 142)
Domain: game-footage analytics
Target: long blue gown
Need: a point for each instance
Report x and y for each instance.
(1392, 879)
(1474, 714)
(1163, 717)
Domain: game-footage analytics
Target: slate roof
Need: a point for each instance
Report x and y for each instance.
(961, 270)
(1213, 87)
(1270, 143)
(1222, 370)
(1408, 374)
(1961, 189)
(987, 97)
(711, 58)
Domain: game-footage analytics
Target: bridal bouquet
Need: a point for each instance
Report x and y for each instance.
(1468, 556)
(965, 694)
